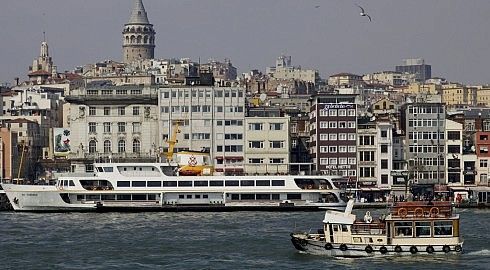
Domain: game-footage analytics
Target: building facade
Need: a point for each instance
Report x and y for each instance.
(333, 139)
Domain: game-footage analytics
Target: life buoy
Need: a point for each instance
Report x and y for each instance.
(434, 212)
(458, 248)
(398, 249)
(343, 247)
(61, 187)
(328, 246)
(383, 250)
(402, 212)
(429, 249)
(419, 212)
(446, 249)
(369, 249)
(303, 242)
(413, 249)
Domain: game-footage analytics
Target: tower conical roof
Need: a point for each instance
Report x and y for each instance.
(138, 14)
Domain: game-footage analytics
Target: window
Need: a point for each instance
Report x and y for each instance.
(138, 183)
(92, 127)
(352, 149)
(247, 183)
(276, 126)
(262, 183)
(122, 183)
(453, 135)
(422, 229)
(323, 137)
(352, 136)
(276, 144)
(154, 184)
(443, 228)
(483, 163)
(384, 134)
(278, 183)
(255, 160)
(107, 127)
(384, 179)
(332, 112)
(136, 146)
(332, 136)
(323, 124)
(136, 110)
(351, 112)
(255, 126)
(184, 184)
(332, 124)
(216, 183)
(454, 149)
(92, 146)
(232, 183)
(342, 112)
(121, 127)
(403, 229)
(384, 148)
(107, 111)
(256, 144)
(121, 110)
(121, 146)
(384, 164)
(136, 127)
(200, 183)
(92, 111)
(276, 160)
(107, 146)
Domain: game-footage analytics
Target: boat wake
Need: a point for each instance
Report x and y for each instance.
(485, 252)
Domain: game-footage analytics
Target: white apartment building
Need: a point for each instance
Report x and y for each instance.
(384, 134)
(454, 153)
(267, 142)
(212, 120)
(115, 122)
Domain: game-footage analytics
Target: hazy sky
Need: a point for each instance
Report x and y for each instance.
(452, 35)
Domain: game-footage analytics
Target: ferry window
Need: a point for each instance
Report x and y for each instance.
(108, 169)
(181, 196)
(99, 169)
(154, 184)
(403, 229)
(422, 229)
(335, 228)
(198, 196)
(205, 196)
(122, 183)
(294, 196)
(215, 183)
(262, 183)
(108, 197)
(65, 183)
(138, 183)
(276, 197)
(235, 197)
(170, 184)
(189, 196)
(185, 183)
(152, 197)
(346, 229)
(93, 197)
(443, 228)
(231, 183)
(71, 183)
(247, 183)
(139, 197)
(80, 197)
(263, 196)
(357, 239)
(200, 183)
(89, 168)
(248, 196)
(123, 197)
(278, 183)
(368, 239)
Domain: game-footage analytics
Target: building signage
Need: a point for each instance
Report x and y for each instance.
(62, 145)
(338, 167)
(338, 106)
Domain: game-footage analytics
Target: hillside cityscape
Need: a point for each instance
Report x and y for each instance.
(382, 134)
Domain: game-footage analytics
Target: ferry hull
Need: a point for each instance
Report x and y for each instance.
(321, 247)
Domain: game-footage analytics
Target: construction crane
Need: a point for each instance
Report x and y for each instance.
(173, 140)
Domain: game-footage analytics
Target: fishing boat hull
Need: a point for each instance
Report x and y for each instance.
(316, 245)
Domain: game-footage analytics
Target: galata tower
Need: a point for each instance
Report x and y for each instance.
(138, 35)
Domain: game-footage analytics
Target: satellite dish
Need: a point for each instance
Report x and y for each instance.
(263, 97)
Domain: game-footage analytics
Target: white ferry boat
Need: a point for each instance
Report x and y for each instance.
(156, 187)
(410, 228)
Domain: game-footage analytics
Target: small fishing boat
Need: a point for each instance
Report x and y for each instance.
(418, 227)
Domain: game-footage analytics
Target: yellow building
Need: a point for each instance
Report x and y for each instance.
(417, 88)
(483, 96)
(454, 94)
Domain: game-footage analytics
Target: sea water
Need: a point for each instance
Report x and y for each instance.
(190, 240)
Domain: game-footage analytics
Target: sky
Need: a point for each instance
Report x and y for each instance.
(451, 35)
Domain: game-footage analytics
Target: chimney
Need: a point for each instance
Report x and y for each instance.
(16, 81)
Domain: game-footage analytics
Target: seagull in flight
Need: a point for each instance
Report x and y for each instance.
(317, 6)
(363, 13)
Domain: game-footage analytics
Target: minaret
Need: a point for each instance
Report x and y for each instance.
(138, 35)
